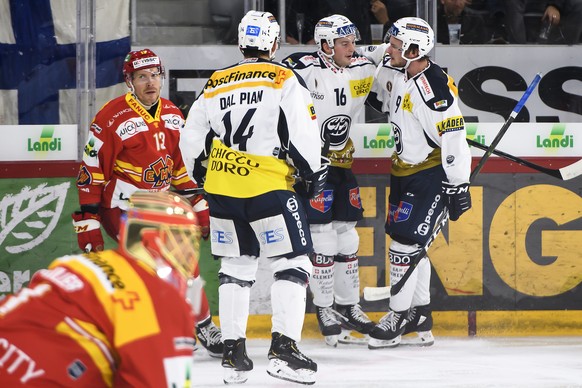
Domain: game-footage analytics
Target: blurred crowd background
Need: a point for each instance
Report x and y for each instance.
(176, 22)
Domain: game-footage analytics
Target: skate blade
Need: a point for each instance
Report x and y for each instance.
(421, 339)
(279, 369)
(346, 338)
(331, 340)
(233, 376)
(375, 343)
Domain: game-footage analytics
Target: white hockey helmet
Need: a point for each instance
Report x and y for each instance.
(332, 27)
(411, 30)
(258, 30)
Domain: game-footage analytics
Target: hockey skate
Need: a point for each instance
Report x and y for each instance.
(420, 322)
(387, 333)
(209, 336)
(354, 319)
(329, 324)
(288, 363)
(235, 361)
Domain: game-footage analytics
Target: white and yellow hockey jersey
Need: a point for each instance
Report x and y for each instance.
(428, 126)
(252, 126)
(338, 94)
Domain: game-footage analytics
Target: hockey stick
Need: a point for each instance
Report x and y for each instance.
(564, 173)
(444, 216)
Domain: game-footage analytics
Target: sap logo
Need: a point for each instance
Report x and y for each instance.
(272, 236)
(222, 237)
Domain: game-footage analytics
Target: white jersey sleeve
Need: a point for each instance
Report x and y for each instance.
(425, 116)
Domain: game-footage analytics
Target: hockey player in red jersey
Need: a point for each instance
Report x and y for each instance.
(132, 146)
(118, 317)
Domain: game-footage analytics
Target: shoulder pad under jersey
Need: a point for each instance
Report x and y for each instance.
(300, 60)
(436, 88)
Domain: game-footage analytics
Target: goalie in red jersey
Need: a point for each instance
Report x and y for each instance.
(120, 317)
(133, 146)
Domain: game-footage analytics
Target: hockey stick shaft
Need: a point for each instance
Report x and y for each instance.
(444, 216)
(564, 173)
(506, 125)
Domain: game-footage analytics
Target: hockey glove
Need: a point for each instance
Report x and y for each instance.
(313, 185)
(200, 206)
(457, 199)
(88, 228)
(199, 173)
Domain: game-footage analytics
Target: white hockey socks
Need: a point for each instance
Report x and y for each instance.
(233, 309)
(288, 304)
(322, 278)
(347, 280)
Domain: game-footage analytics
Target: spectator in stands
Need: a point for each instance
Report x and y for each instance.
(473, 27)
(531, 21)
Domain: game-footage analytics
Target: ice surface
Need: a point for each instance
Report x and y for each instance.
(450, 362)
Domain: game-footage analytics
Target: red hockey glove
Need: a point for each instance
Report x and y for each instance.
(88, 228)
(457, 199)
(200, 206)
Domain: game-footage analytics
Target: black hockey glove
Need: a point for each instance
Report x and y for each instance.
(199, 173)
(313, 185)
(457, 199)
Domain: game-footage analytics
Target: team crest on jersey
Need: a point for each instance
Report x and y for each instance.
(338, 127)
(355, 199)
(84, 177)
(399, 213)
(407, 103)
(159, 173)
(322, 203)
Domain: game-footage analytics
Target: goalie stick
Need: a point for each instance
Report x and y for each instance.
(385, 292)
(565, 173)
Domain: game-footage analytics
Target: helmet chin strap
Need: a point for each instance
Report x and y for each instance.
(328, 58)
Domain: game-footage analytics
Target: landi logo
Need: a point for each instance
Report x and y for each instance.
(557, 138)
(471, 129)
(382, 140)
(46, 141)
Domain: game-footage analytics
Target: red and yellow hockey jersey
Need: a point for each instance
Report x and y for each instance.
(130, 150)
(96, 320)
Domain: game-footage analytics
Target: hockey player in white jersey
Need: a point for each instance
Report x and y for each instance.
(339, 81)
(430, 170)
(246, 136)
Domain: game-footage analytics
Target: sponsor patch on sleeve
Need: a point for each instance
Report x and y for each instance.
(451, 124)
(311, 110)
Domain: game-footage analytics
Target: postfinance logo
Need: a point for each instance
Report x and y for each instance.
(557, 139)
(46, 142)
(383, 139)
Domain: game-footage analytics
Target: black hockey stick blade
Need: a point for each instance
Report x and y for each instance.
(444, 216)
(565, 173)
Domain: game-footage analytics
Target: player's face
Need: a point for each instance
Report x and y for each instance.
(148, 85)
(344, 50)
(395, 51)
